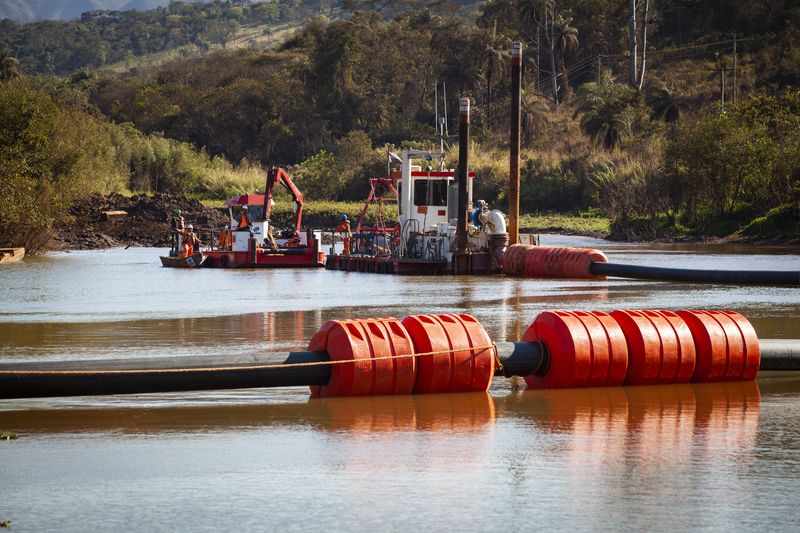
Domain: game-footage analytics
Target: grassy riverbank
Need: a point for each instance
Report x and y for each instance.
(324, 214)
(592, 225)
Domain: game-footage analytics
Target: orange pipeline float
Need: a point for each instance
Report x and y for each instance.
(447, 353)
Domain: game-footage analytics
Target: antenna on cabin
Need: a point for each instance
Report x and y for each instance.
(436, 105)
(444, 99)
(441, 138)
(440, 123)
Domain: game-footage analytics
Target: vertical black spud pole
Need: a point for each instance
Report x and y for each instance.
(462, 261)
(516, 121)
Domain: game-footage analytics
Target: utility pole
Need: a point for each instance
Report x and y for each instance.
(721, 69)
(599, 67)
(734, 69)
(632, 45)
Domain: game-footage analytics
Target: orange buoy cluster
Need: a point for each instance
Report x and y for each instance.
(551, 262)
(420, 354)
(595, 349)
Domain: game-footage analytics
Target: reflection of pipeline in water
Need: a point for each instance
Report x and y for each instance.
(433, 412)
(647, 423)
(145, 420)
(430, 412)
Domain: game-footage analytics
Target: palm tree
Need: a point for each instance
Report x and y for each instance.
(606, 111)
(9, 67)
(542, 14)
(665, 102)
(566, 42)
(496, 61)
(534, 115)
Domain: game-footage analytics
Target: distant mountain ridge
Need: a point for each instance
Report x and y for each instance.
(35, 10)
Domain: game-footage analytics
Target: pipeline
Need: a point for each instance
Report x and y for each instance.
(734, 277)
(446, 353)
(174, 374)
(553, 262)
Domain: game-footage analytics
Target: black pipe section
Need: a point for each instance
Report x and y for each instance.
(733, 277)
(780, 354)
(516, 122)
(172, 374)
(169, 374)
(523, 358)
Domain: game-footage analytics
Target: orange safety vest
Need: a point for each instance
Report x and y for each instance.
(243, 222)
(344, 227)
(188, 242)
(224, 239)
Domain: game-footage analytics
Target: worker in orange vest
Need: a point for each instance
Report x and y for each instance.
(225, 239)
(189, 239)
(244, 218)
(344, 227)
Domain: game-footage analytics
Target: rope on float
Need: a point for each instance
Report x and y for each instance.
(492, 346)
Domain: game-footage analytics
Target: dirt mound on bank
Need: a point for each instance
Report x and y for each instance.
(147, 222)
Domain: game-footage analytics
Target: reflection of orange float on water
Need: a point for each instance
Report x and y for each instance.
(727, 417)
(661, 422)
(587, 410)
(429, 412)
(643, 424)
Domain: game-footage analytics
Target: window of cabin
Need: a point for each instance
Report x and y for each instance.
(430, 192)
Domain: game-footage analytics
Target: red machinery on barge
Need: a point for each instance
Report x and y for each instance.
(254, 244)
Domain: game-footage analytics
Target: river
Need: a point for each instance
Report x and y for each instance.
(655, 458)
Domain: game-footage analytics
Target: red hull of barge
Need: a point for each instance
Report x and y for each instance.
(288, 258)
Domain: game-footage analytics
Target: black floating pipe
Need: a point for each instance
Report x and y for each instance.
(168, 374)
(737, 277)
(523, 358)
(780, 354)
(283, 369)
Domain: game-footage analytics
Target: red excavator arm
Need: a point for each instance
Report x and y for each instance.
(275, 175)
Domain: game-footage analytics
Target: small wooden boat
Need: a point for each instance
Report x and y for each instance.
(193, 261)
(11, 255)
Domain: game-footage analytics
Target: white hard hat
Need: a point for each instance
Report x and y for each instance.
(189, 227)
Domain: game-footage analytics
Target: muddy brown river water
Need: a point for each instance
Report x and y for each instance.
(710, 457)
